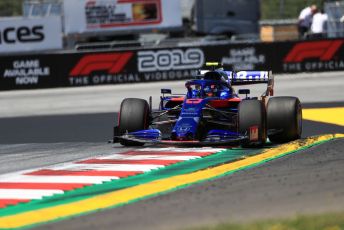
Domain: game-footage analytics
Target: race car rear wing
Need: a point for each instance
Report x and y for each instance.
(252, 77)
(249, 77)
(242, 77)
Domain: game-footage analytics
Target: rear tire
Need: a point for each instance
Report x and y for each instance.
(284, 116)
(252, 113)
(133, 116)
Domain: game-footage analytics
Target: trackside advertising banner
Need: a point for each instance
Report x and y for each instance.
(281, 57)
(326, 55)
(30, 34)
(27, 72)
(133, 66)
(161, 64)
(83, 16)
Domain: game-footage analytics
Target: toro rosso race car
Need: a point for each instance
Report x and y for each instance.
(211, 113)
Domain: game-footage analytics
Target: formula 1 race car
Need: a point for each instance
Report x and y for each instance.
(211, 113)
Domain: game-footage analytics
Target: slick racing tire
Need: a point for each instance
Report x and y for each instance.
(252, 118)
(133, 116)
(284, 119)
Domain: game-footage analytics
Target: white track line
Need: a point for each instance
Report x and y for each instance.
(27, 193)
(175, 149)
(75, 167)
(108, 167)
(59, 179)
(148, 157)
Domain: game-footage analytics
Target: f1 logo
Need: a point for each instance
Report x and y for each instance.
(324, 50)
(112, 63)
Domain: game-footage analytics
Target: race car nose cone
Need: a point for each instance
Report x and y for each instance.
(189, 136)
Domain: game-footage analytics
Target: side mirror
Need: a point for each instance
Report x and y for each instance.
(166, 91)
(244, 91)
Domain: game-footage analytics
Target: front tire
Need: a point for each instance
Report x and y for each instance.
(284, 119)
(133, 116)
(252, 115)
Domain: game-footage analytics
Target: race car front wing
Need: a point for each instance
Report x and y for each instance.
(153, 136)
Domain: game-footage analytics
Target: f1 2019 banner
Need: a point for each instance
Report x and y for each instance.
(83, 16)
(133, 66)
(161, 64)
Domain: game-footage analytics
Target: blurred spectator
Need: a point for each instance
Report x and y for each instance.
(318, 27)
(305, 20)
(341, 19)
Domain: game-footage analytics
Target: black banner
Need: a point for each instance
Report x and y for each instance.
(126, 66)
(132, 66)
(281, 57)
(27, 72)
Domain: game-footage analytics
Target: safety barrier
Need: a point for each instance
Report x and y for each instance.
(158, 64)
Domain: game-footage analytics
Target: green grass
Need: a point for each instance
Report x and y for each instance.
(281, 9)
(10, 8)
(333, 221)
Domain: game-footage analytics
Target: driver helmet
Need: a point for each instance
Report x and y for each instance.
(210, 90)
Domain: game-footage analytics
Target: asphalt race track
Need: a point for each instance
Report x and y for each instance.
(92, 128)
(35, 133)
(306, 182)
